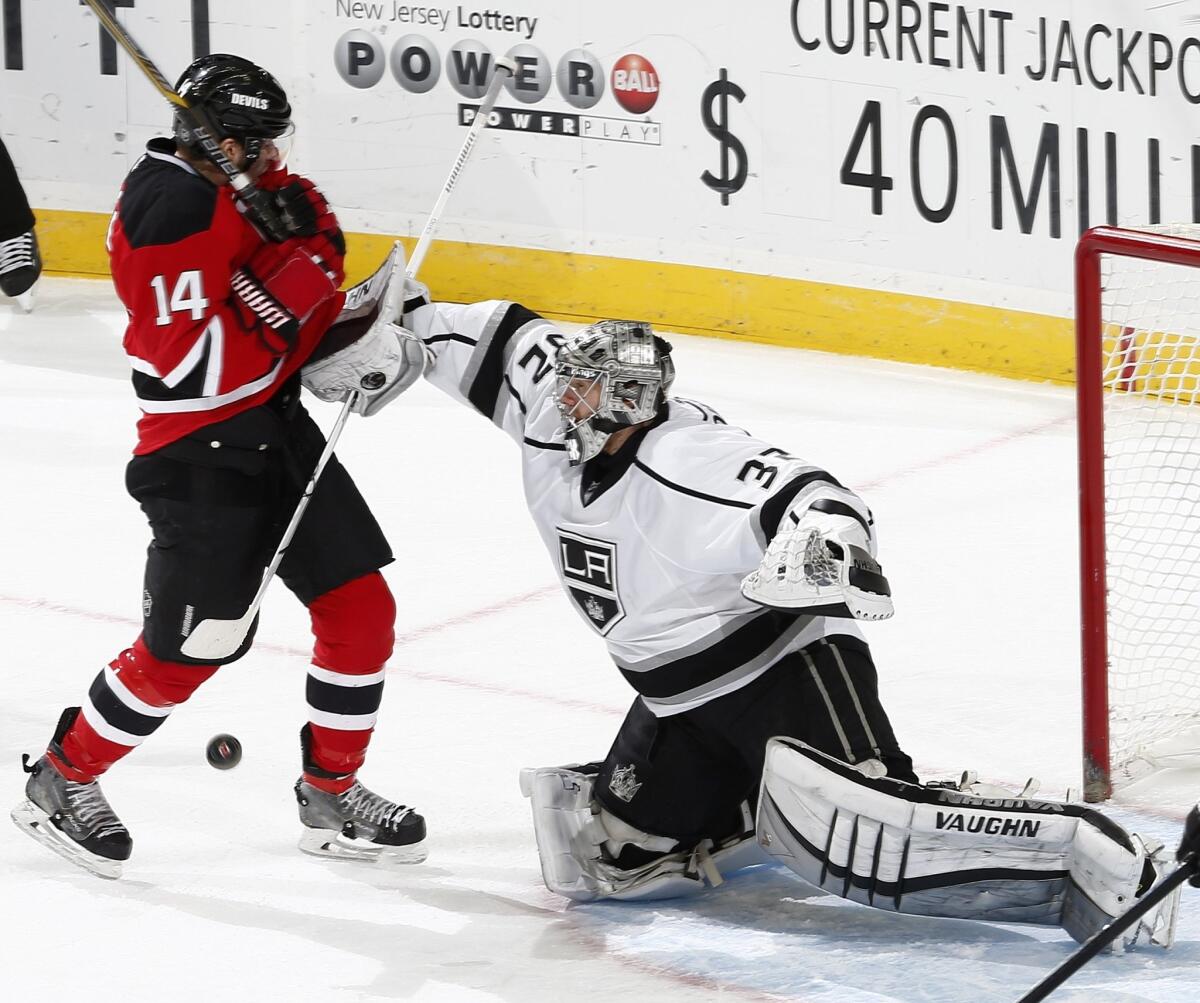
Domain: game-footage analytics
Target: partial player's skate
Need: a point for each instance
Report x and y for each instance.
(359, 825)
(74, 820)
(20, 266)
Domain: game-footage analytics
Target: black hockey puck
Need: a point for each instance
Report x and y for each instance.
(224, 752)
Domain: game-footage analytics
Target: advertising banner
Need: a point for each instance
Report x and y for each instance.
(918, 152)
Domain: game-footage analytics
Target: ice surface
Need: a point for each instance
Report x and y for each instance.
(972, 483)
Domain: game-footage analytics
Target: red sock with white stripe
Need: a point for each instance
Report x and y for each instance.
(127, 702)
(354, 626)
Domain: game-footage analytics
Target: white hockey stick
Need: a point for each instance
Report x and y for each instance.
(213, 639)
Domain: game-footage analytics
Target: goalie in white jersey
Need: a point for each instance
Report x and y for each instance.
(726, 576)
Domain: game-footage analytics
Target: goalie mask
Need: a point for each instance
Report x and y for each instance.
(611, 375)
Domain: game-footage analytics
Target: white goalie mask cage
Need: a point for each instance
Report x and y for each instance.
(610, 376)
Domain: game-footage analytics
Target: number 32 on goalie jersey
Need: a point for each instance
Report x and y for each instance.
(495, 356)
(540, 359)
(763, 474)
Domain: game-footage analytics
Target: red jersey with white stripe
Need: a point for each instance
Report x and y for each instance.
(200, 352)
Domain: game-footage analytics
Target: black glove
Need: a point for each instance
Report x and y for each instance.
(305, 213)
(1190, 845)
(300, 206)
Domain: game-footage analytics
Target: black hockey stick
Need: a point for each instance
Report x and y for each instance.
(201, 125)
(1190, 868)
(213, 639)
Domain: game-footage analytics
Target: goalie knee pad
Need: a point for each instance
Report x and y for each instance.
(943, 852)
(579, 844)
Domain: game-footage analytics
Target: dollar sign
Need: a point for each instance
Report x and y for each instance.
(718, 93)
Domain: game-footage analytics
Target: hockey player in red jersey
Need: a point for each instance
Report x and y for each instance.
(221, 322)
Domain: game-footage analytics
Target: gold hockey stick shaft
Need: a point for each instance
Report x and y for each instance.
(201, 125)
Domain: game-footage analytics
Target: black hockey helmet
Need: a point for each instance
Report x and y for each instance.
(244, 101)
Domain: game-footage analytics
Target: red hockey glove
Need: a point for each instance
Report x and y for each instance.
(329, 248)
(280, 286)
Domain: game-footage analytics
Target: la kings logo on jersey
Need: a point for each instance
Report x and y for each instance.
(624, 783)
(589, 568)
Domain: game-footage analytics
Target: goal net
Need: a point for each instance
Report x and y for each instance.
(1138, 370)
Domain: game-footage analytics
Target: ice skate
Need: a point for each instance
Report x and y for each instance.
(73, 819)
(20, 267)
(359, 825)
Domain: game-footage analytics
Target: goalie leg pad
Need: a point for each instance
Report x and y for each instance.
(937, 852)
(567, 832)
(576, 839)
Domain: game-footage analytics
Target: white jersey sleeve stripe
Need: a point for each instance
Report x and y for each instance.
(538, 444)
(486, 374)
(814, 482)
(731, 502)
(497, 357)
(834, 507)
(462, 339)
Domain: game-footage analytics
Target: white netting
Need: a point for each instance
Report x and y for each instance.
(1151, 359)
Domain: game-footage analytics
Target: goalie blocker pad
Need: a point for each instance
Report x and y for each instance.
(365, 351)
(935, 852)
(569, 826)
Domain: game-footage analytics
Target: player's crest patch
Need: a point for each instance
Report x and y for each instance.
(624, 783)
(589, 569)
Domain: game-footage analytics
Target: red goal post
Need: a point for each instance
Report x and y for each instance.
(1137, 320)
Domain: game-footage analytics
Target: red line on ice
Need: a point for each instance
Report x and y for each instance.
(402, 640)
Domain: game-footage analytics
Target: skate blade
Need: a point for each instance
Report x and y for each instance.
(35, 823)
(25, 299)
(331, 844)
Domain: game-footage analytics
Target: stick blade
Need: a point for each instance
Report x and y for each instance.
(216, 639)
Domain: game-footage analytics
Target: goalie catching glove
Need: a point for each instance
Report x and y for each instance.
(821, 557)
(365, 352)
